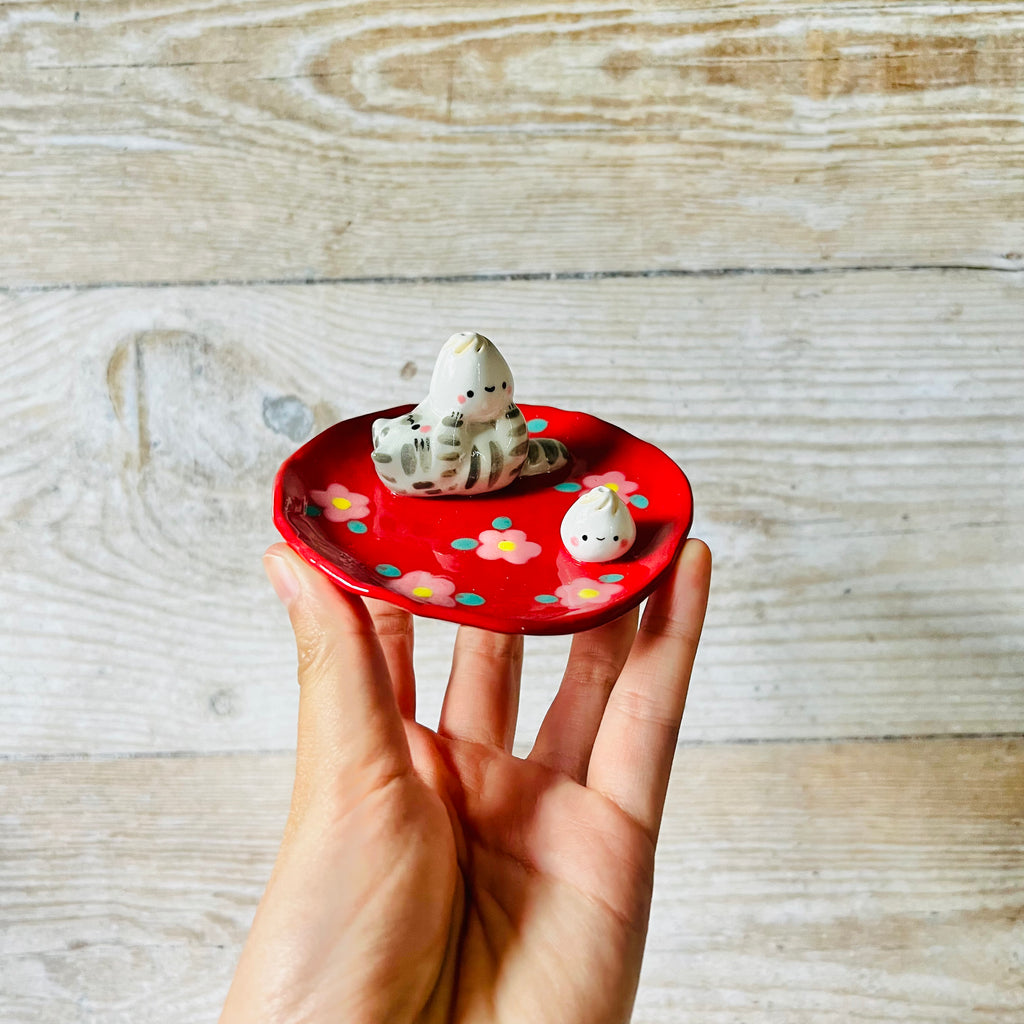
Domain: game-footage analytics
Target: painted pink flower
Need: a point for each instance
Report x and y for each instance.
(583, 593)
(340, 504)
(426, 587)
(614, 481)
(511, 545)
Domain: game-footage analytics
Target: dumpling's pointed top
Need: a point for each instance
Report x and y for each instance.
(601, 499)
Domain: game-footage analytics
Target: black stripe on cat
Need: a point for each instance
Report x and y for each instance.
(474, 468)
(497, 461)
(551, 449)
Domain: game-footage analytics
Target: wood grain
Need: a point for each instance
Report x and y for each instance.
(720, 225)
(230, 141)
(796, 883)
(855, 442)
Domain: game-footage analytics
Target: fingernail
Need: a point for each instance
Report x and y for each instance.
(282, 579)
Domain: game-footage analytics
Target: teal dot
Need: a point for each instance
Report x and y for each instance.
(356, 527)
(313, 510)
(639, 500)
(568, 486)
(610, 577)
(501, 523)
(535, 426)
(465, 543)
(470, 599)
(546, 598)
(388, 570)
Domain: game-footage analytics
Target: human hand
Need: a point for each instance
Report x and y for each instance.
(433, 876)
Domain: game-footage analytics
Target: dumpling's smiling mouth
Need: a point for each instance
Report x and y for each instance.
(491, 388)
(599, 538)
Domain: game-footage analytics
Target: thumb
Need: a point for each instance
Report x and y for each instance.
(348, 719)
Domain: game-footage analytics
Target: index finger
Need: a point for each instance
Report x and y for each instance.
(635, 744)
(348, 716)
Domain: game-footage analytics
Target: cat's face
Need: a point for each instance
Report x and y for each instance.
(471, 375)
(598, 527)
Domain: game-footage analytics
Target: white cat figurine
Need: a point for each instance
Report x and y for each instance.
(467, 436)
(598, 527)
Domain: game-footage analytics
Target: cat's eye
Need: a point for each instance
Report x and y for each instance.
(616, 537)
(584, 536)
(469, 394)
(504, 384)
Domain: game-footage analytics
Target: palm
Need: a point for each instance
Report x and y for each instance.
(545, 865)
(432, 876)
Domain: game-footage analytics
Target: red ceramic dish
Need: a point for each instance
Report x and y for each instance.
(492, 560)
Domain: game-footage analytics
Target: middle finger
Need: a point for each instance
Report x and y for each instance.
(395, 633)
(481, 703)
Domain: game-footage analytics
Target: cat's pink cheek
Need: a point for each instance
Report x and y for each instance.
(424, 429)
(623, 543)
(462, 399)
(574, 541)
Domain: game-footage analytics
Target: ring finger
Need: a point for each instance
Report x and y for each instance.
(596, 657)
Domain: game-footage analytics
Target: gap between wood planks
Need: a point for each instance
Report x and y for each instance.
(538, 275)
(748, 741)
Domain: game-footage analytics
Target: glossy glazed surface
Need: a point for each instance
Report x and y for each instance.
(493, 560)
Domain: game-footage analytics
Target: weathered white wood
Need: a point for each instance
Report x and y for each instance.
(796, 883)
(127, 887)
(260, 140)
(827, 882)
(855, 443)
(855, 440)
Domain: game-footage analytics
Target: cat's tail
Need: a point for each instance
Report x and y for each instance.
(544, 455)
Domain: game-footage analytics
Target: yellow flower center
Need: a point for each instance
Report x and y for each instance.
(506, 545)
(422, 592)
(342, 503)
(612, 487)
(588, 592)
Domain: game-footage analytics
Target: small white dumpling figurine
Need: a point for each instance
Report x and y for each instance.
(467, 436)
(598, 527)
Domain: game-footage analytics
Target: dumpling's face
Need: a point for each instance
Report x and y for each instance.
(598, 527)
(471, 376)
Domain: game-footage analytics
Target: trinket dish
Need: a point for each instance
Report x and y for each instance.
(493, 560)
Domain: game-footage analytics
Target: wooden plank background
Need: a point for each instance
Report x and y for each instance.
(796, 882)
(783, 240)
